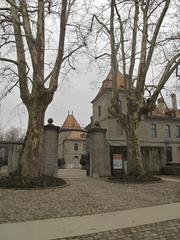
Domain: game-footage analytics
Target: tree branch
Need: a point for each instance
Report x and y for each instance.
(101, 23)
(134, 40)
(28, 33)
(141, 69)
(155, 35)
(170, 67)
(23, 80)
(9, 60)
(59, 59)
(121, 39)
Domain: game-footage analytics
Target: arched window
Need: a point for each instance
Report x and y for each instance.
(75, 147)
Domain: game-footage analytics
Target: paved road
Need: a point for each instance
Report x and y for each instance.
(167, 230)
(108, 224)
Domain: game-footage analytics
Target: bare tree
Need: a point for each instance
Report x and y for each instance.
(138, 35)
(1, 134)
(23, 29)
(14, 134)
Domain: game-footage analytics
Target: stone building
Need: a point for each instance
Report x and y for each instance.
(159, 133)
(72, 142)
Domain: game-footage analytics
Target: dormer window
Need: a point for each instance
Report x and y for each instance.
(75, 147)
(83, 135)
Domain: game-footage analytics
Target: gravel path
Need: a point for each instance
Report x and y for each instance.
(83, 196)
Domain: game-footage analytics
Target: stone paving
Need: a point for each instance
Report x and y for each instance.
(168, 230)
(83, 196)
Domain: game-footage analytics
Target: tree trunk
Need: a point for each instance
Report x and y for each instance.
(134, 163)
(31, 156)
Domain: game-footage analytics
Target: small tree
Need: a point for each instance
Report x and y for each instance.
(61, 162)
(83, 160)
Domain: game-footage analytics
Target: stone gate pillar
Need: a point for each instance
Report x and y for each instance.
(99, 153)
(50, 149)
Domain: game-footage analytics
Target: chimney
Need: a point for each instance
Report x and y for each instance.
(174, 102)
(161, 105)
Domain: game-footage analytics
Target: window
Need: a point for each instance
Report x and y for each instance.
(83, 135)
(120, 106)
(75, 147)
(84, 147)
(119, 127)
(178, 131)
(168, 154)
(153, 130)
(99, 111)
(167, 131)
(65, 147)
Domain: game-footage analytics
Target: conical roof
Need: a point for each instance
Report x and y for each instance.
(120, 81)
(107, 84)
(71, 122)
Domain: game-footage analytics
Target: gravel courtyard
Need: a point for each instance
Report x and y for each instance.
(81, 197)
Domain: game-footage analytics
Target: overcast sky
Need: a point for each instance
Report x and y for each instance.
(75, 93)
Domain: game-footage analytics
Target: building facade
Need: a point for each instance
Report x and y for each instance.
(159, 131)
(72, 142)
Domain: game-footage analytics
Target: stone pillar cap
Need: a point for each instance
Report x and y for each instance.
(97, 129)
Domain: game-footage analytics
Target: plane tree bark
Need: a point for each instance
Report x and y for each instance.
(25, 21)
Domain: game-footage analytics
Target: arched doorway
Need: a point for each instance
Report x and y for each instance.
(76, 162)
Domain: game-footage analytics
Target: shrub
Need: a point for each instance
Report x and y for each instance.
(83, 160)
(61, 163)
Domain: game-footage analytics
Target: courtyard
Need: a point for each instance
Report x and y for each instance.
(84, 196)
